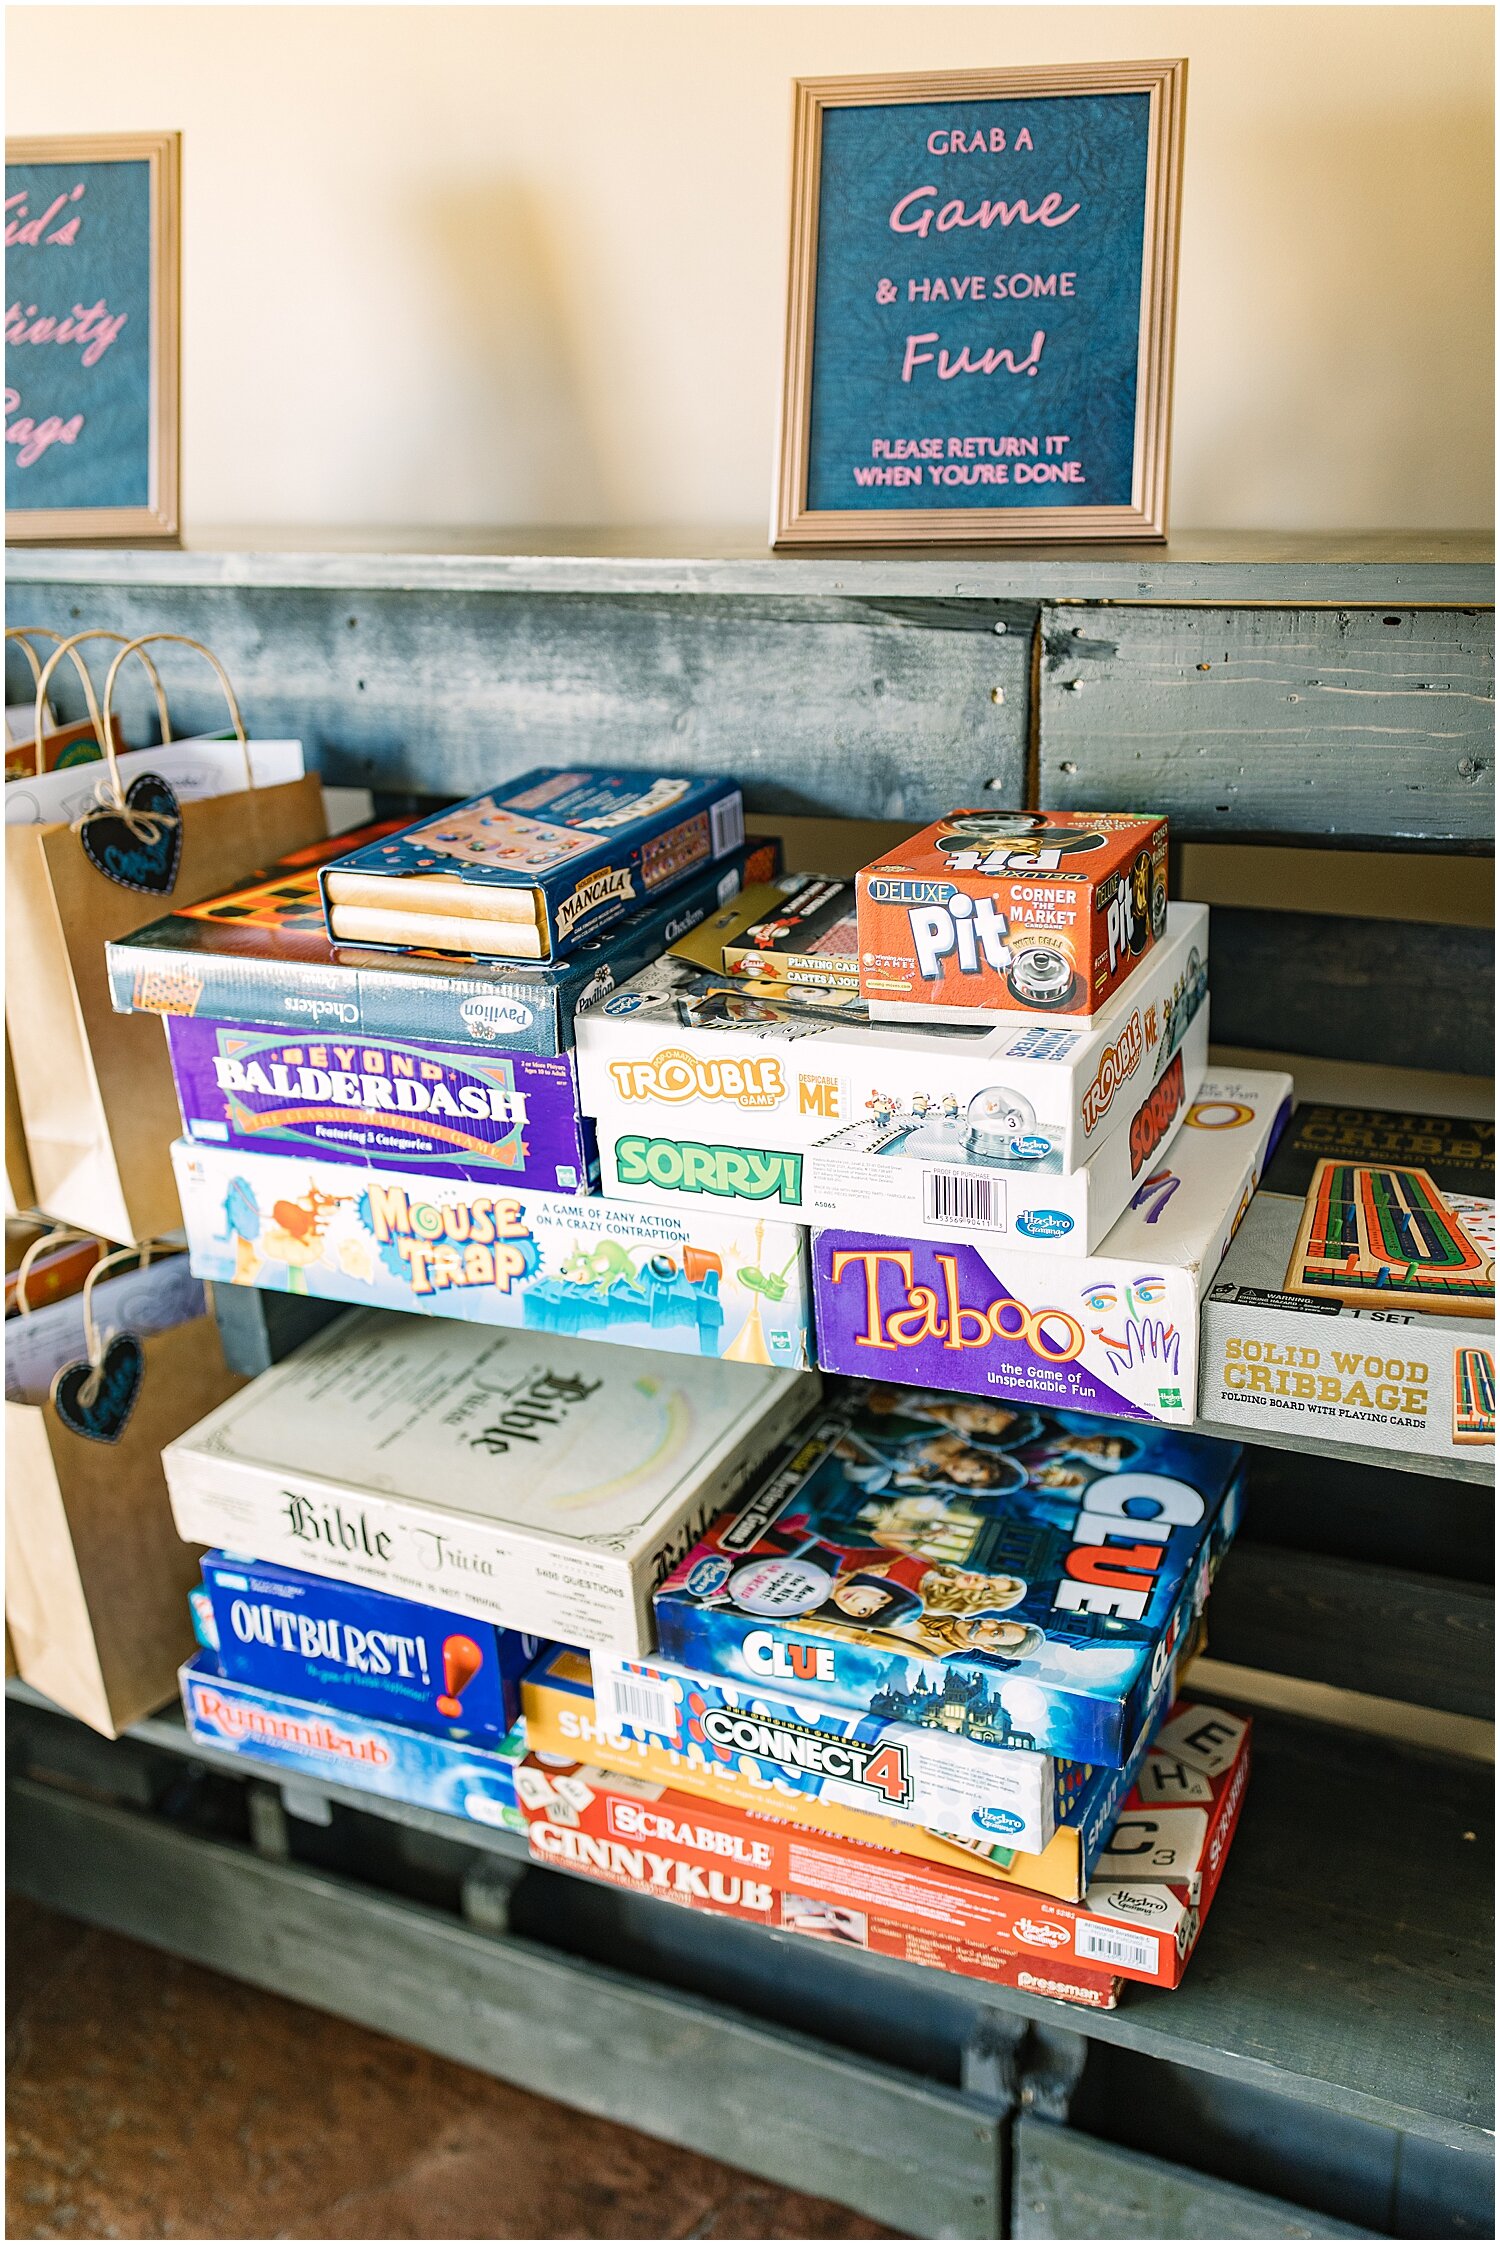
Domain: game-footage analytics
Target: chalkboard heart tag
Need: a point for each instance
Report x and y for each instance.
(96, 1402)
(141, 846)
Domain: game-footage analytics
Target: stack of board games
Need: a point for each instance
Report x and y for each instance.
(1358, 1298)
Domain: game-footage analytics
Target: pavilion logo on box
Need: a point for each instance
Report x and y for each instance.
(725, 1172)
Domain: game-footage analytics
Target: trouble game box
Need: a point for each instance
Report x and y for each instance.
(1115, 1331)
(1141, 1926)
(534, 867)
(702, 1087)
(1024, 1577)
(261, 955)
(986, 912)
(1358, 1298)
(538, 1482)
(730, 1282)
(457, 1778)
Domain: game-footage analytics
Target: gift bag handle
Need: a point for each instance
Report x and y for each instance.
(58, 1236)
(173, 639)
(70, 648)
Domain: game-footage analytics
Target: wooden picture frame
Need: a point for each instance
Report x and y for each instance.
(156, 516)
(1139, 510)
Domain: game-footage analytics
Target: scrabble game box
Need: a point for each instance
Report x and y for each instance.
(1140, 1921)
(1358, 1298)
(362, 1652)
(703, 1086)
(985, 912)
(534, 867)
(711, 1857)
(260, 954)
(1115, 1331)
(564, 1718)
(730, 1283)
(290, 1736)
(1025, 1576)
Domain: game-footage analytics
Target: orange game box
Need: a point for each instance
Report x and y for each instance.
(985, 912)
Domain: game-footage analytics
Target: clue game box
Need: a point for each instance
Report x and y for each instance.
(1021, 1575)
(728, 1282)
(985, 912)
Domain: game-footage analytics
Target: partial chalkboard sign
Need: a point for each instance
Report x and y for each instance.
(91, 336)
(981, 305)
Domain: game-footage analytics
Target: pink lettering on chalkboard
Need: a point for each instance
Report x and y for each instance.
(1048, 212)
(33, 438)
(28, 232)
(992, 361)
(94, 327)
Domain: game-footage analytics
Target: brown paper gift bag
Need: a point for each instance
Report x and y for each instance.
(95, 1086)
(97, 1578)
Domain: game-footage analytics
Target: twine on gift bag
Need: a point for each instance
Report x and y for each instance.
(94, 1342)
(59, 1236)
(177, 639)
(109, 795)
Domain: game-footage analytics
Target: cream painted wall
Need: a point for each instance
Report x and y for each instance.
(502, 265)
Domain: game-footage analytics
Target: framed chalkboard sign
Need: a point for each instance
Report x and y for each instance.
(981, 305)
(91, 336)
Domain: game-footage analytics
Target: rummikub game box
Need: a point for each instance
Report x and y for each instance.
(535, 867)
(926, 1558)
(537, 1482)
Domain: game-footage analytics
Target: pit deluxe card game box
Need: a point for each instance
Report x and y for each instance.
(1358, 1298)
(260, 954)
(541, 1483)
(455, 1777)
(1115, 1331)
(703, 1087)
(984, 912)
(535, 867)
(362, 1652)
(927, 1558)
(710, 1282)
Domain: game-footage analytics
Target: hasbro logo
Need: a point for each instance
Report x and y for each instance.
(999, 1820)
(706, 1578)
(1043, 1223)
(1032, 1147)
(487, 1017)
(628, 1002)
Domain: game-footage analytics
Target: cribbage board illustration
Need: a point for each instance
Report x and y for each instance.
(1385, 1238)
(1474, 1398)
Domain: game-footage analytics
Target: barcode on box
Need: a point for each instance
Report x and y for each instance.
(1116, 1945)
(638, 1703)
(728, 824)
(964, 1196)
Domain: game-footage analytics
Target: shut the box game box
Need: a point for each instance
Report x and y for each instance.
(1033, 1571)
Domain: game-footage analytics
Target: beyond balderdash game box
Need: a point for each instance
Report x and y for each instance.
(924, 1552)
(457, 1778)
(1115, 1331)
(1358, 1299)
(541, 1483)
(260, 954)
(727, 1282)
(988, 912)
(363, 1652)
(535, 867)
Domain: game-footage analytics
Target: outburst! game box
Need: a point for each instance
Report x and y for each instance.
(729, 1283)
(1024, 1576)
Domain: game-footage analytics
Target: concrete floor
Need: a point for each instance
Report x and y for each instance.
(149, 2098)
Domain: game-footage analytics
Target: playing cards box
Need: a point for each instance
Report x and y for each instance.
(696, 1282)
(532, 868)
(537, 1482)
(363, 1652)
(275, 1731)
(704, 1087)
(808, 939)
(1115, 1331)
(1026, 1576)
(261, 954)
(1358, 1298)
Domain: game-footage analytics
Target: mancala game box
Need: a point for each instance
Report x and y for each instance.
(728, 1283)
(1115, 1331)
(260, 955)
(531, 1480)
(924, 1556)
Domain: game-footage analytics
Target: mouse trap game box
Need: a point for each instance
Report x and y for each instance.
(538, 1482)
(985, 912)
(1020, 1576)
(1115, 1331)
(1358, 1299)
(260, 955)
(728, 1282)
(535, 867)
